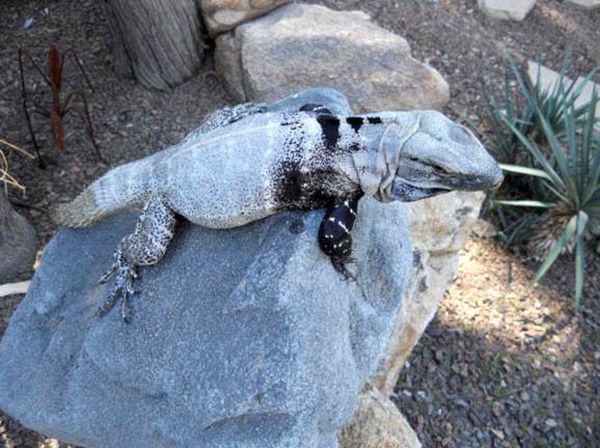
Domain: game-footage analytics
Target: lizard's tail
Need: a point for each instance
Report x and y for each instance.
(120, 188)
(80, 212)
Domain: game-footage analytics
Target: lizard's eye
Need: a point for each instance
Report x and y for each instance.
(441, 170)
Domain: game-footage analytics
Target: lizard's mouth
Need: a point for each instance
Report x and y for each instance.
(407, 192)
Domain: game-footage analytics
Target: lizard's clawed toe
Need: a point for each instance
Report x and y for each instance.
(123, 288)
(340, 264)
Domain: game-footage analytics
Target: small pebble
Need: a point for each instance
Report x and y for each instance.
(499, 434)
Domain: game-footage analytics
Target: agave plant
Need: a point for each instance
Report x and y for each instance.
(568, 169)
(552, 103)
(514, 109)
(522, 109)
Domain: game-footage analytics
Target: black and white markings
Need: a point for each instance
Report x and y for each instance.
(355, 122)
(335, 234)
(330, 128)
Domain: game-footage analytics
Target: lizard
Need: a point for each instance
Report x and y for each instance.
(245, 163)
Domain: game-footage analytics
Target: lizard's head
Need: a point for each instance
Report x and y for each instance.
(427, 154)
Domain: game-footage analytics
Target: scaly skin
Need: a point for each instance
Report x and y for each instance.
(245, 163)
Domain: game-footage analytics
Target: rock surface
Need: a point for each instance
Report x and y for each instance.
(224, 15)
(439, 227)
(377, 423)
(299, 46)
(506, 9)
(17, 243)
(590, 4)
(263, 346)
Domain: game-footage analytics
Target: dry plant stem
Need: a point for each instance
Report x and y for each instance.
(5, 176)
(59, 109)
(24, 95)
(17, 148)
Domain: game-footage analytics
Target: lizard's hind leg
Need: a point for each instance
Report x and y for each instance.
(144, 247)
(335, 236)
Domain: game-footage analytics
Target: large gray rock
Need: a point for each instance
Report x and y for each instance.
(298, 46)
(17, 242)
(240, 338)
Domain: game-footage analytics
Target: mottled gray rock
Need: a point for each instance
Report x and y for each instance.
(224, 15)
(589, 4)
(298, 46)
(17, 243)
(241, 338)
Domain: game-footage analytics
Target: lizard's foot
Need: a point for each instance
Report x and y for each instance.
(124, 273)
(335, 239)
(144, 247)
(340, 264)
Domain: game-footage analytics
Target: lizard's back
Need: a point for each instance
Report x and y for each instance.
(224, 178)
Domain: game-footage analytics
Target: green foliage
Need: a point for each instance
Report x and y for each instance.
(551, 151)
(552, 103)
(523, 107)
(513, 109)
(566, 165)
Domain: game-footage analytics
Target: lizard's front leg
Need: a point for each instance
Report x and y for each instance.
(144, 247)
(335, 236)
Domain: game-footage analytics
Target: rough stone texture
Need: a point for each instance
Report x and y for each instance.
(590, 4)
(439, 227)
(257, 347)
(17, 243)
(506, 9)
(377, 423)
(224, 15)
(298, 46)
(548, 79)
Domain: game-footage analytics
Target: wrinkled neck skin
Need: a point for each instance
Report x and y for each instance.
(375, 167)
(408, 156)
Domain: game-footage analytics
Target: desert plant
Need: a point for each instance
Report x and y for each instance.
(553, 102)
(512, 108)
(567, 167)
(522, 109)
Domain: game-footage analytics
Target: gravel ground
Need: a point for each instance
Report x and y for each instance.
(504, 363)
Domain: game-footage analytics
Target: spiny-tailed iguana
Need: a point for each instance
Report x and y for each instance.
(245, 164)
